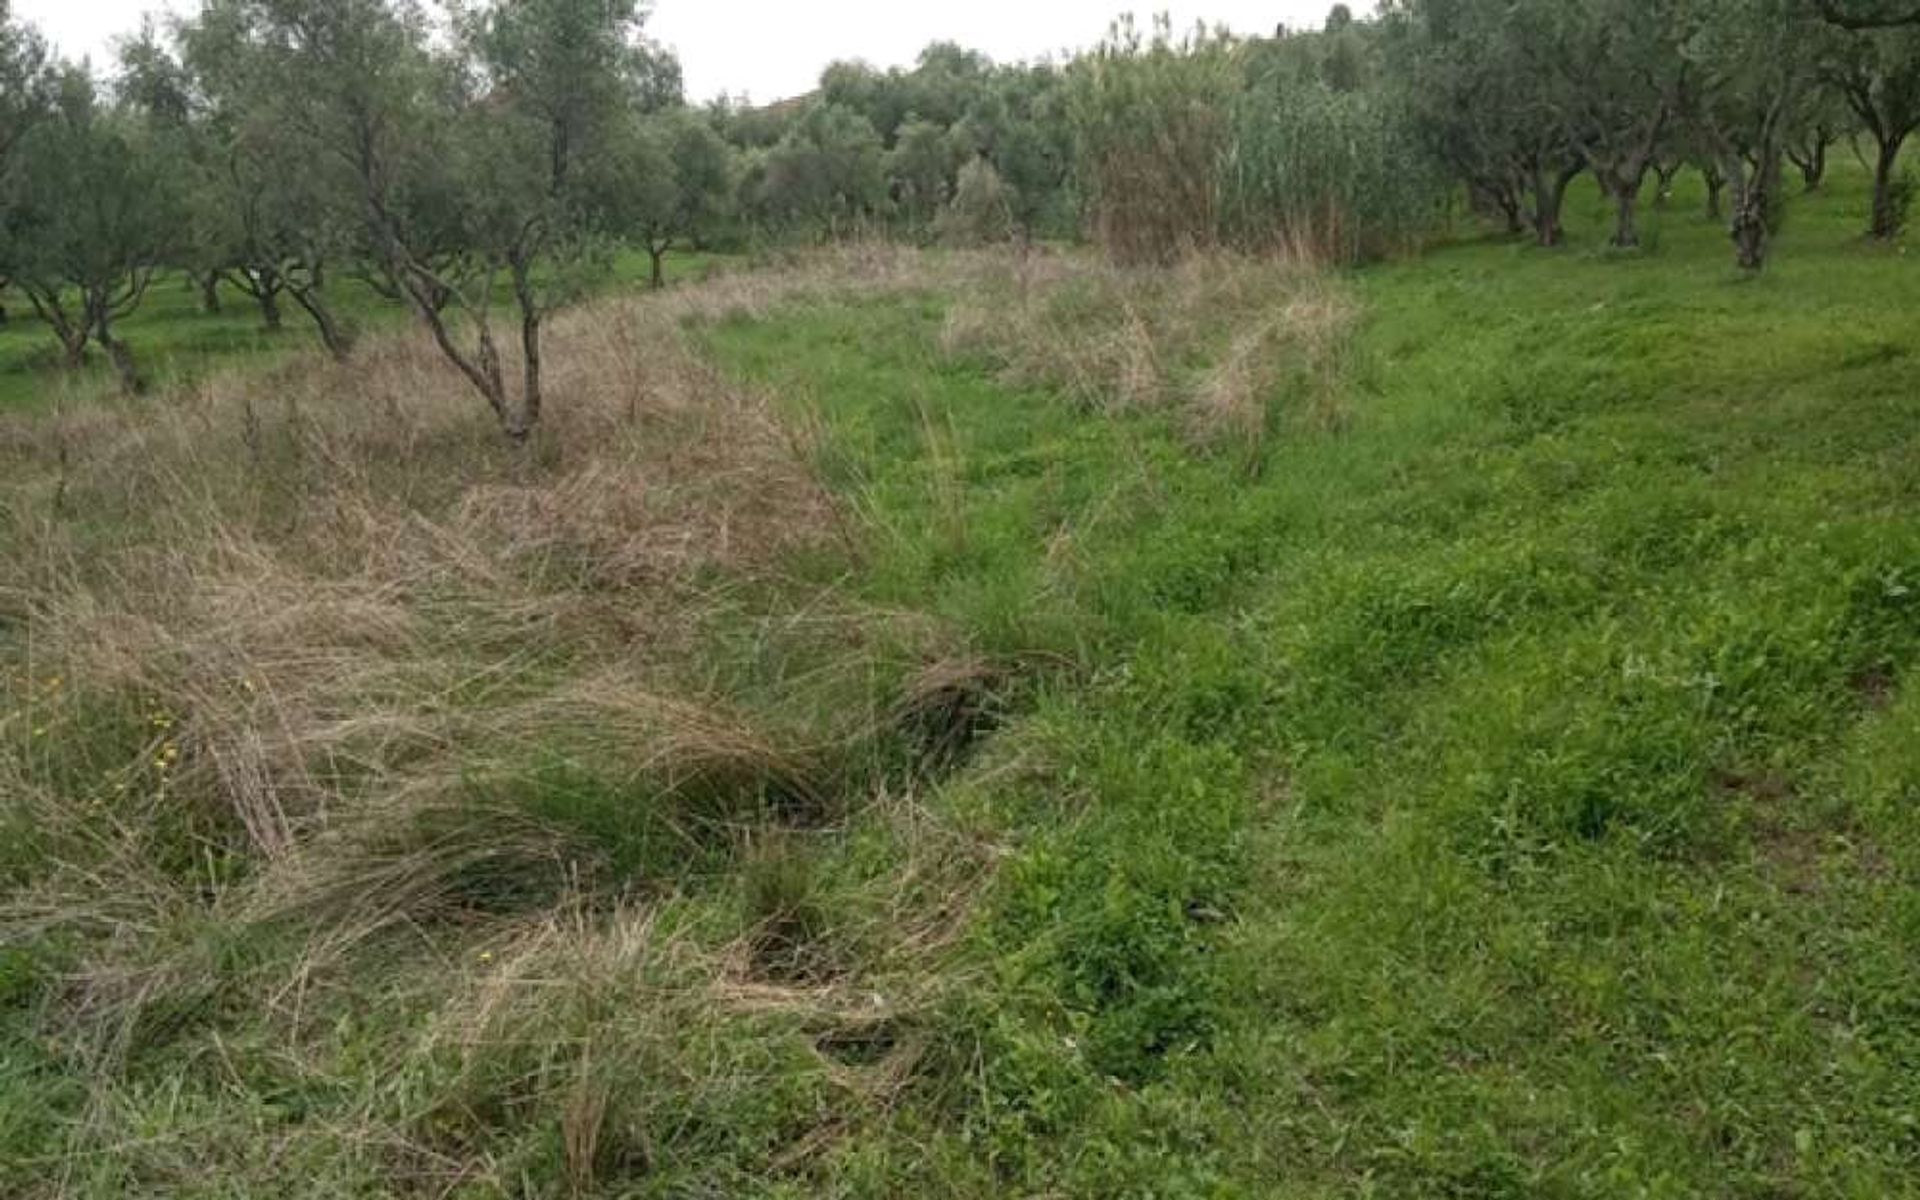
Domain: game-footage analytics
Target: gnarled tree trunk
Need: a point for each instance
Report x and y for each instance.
(1621, 179)
(118, 352)
(333, 334)
(1492, 198)
(1549, 198)
(531, 394)
(1887, 217)
(72, 334)
(1716, 184)
(270, 316)
(1812, 161)
(1754, 184)
(1626, 226)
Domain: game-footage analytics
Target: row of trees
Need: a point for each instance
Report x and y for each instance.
(1350, 139)
(480, 165)
(1517, 98)
(890, 151)
(480, 171)
(484, 165)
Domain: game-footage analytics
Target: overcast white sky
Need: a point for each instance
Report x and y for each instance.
(771, 49)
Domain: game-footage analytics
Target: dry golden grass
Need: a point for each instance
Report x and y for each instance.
(302, 653)
(1270, 331)
(301, 597)
(307, 628)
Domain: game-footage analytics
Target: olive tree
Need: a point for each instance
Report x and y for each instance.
(982, 209)
(921, 169)
(1490, 86)
(26, 81)
(92, 217)
(265, 213)
(1751, 72)
(1454, 96)
(153, 83)
(1877, 73)
(549, 82)
(827, 175)
(1823, 119)
(26, 99)
(465, 162)
(1017, 123)
(1627, 77)
(674, 185)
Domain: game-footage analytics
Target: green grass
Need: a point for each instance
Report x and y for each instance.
(1540, 736)
(1503, 788)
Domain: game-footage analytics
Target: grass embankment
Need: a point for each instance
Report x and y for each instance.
(1438, 732)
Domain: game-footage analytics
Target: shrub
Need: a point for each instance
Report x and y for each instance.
(981, 211)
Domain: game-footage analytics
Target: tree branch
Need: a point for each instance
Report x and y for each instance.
(1834, 14)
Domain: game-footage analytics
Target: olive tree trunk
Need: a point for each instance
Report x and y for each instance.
(270, 315)
(1491, 198)
(1812, 161)
(73, 332)
(1887, 217)
(73, 348)
(1626, 226)
(1754, 185)
(532, 395)
(333, 334)
(118, 352)
(1549, 198)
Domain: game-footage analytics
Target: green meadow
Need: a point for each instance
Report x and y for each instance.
(1437, 729)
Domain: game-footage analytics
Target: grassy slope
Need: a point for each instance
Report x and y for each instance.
(1509, 794)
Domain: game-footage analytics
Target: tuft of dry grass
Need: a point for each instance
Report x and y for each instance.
(1222, 340)
(318, 633)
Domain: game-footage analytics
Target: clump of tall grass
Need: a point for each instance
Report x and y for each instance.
(1227, 342)
(1151, 116)
(1185, 144)
(342, 743)
(1338, 173)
